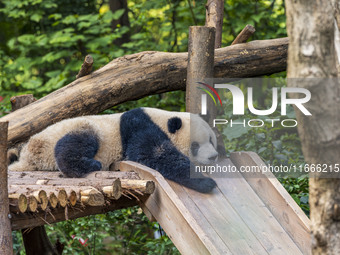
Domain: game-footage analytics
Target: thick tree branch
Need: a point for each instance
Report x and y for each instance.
(135, 76)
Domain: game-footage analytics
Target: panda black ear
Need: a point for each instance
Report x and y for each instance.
(174, 124)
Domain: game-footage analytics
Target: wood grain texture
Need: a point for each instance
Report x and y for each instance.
(277, 200)
(232, 219)
(135, 76)
(171, 213)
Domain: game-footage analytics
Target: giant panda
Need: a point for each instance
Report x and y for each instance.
(159, 139)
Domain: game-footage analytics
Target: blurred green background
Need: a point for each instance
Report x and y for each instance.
(43, 44)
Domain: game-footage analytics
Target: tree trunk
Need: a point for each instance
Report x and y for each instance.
(6, 243)
(312, 54)
(138, 75)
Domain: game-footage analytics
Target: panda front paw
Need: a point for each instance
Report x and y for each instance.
(202, 185)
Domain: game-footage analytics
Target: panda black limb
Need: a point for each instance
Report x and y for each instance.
(74, 154)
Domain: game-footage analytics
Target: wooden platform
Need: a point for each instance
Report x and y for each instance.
(246, 214)
(249, 213)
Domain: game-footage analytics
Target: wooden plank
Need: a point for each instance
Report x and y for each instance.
(277, 200)
(255, 214)
(195, 210)
(228, 225)
(172, 214)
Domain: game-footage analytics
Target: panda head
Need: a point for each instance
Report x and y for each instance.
(201, 139)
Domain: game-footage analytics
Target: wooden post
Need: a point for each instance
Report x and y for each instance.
(200, 65)
(6, 243)
(214, 18)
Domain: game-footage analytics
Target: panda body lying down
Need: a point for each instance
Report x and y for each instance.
(156, 138)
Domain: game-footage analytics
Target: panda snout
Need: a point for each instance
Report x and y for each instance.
(213, 158)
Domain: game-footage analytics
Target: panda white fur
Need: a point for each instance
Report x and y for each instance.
(156, 138)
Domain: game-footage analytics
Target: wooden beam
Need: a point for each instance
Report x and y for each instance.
(6, 242)
(138, 75)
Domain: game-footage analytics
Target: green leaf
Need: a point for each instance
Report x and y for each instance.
(36, 17)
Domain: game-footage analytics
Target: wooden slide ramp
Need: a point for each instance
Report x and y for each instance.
(246, 214)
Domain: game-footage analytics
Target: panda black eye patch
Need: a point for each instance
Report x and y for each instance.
(174, 124)
(194, 148)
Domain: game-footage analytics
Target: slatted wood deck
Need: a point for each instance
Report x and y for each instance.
(246, 214)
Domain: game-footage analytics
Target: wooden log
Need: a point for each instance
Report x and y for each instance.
(98, 183)
(244, 35)
(6, 243)
(62, 197)
(113, 191)
(18, 203)
(138, 75)
(92, 197)
(31, 177)
(144, 186)
(32, 203)
(86, 67)
(41, 197)
(21, 101)
(52, 199)
(72, 197)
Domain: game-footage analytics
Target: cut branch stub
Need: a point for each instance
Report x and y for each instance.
(244, 35)
(18, 102)
(86, 67)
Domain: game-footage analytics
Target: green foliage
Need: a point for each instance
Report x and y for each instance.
(125, 231)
